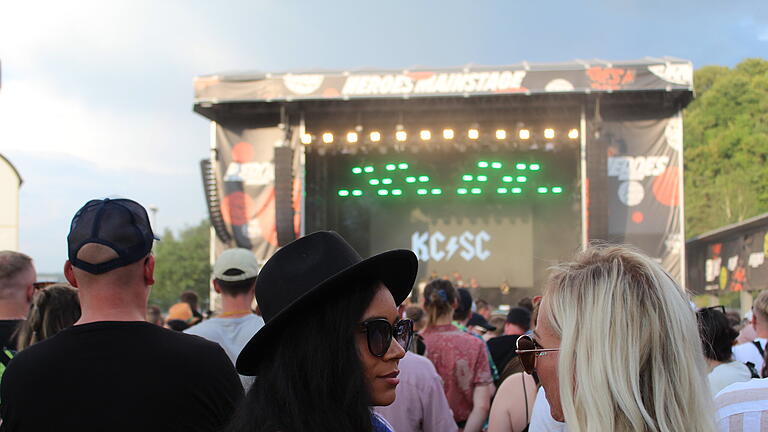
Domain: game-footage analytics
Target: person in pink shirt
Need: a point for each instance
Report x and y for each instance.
(420, 404)
(461, 359)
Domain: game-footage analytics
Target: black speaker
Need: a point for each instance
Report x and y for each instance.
(210, 187)
(284, 195)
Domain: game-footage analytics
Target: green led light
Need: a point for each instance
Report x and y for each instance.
(357, 170)
(368, 169)
(462, 191)
(403, 165)
(467, 177)
(520, 166)
(557, 190)
(482, 178)
(534, 167)
(516, 190)
(507, 179)
(501, 190)
(391, 167)
(542, 190)
(522, 179)
(421, 191)
(382, 192)
(437, 191)
(357, 192)
(423, 179)
(343, 192)
(482, 164)
(476, 191)
(496, 165)
(386, 181)
(373, 182)
(410, 179)
(397, 192)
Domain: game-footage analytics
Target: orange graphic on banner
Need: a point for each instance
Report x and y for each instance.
(610, 78)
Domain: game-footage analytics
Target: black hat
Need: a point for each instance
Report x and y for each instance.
(119, 224)
(479, 320)
(314, 269)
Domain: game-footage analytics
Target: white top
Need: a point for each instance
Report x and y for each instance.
(743, 406)
(747, 352)
(232, 334)
(541, 419)
(726, 374)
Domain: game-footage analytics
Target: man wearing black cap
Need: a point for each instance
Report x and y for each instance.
(112, 370)
(502, 348)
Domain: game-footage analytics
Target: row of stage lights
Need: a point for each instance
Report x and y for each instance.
(459, 191)
(401, 135)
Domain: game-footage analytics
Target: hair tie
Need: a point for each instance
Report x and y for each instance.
(443, 295)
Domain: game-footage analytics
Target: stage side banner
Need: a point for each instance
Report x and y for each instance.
(735, 263)
(642, 187)
(247, 175)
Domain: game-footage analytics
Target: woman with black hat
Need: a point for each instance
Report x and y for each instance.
(325, 355)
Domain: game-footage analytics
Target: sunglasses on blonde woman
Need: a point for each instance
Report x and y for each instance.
(528, 349)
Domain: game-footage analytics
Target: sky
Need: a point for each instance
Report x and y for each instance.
(96, 96)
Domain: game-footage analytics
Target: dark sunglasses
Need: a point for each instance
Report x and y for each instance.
(528, 349)
(380, 333)
(720, 308)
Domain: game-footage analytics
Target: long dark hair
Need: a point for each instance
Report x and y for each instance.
(313, 379)
(53, 309)
(439, 295)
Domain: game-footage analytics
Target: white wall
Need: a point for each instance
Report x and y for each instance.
(9, 206)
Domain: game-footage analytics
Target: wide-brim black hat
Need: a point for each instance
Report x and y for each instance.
(311, 271)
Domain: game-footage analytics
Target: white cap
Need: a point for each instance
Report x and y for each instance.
(235, 259)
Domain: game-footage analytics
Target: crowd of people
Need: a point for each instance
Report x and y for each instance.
(338, 343)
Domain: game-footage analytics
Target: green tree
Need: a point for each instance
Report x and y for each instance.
(726, 146)
(182, 263)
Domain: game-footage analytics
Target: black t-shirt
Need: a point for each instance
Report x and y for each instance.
(119, 376)
(7, 327)
(502, 349)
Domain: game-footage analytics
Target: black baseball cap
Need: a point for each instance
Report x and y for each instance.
(119, 224)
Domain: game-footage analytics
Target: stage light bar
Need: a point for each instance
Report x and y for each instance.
(390, 167)
(386, 181)
(516, 190)
(397, 192)
(373, 182)
(327, 137)
(375, 136)
(368, 169)
(549, 133)
(482, 164)
(473, 134)
(476, 191)
(462, 191)
(507, 179)
(542, 190)
(534, 167)
(357, 193)
(482, 178)
(357, 170)
(401, 135)
(402, 165)
(343, 193)
(467, 177)
(573, 133)
(425, 135)
(557, 190)
(521, 179)
(382, 192)
(501, 190)
(423, 179)
(501, 134)
(520, 166)
(496, 165)
(524, 134)
(352, 137)
(422, 191)
(436, 191)
(410, 179)
(448, 134)
(306, 139)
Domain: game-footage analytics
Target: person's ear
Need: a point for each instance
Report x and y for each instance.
(69, 274)
(149, 270)
(216, 287)
(455, 304)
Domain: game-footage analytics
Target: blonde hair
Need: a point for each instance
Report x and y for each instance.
(630, 356)
(760, 305)
(439, 296)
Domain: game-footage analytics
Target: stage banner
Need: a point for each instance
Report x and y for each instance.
(733, 263)
(643, 187)
(246, 174)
